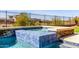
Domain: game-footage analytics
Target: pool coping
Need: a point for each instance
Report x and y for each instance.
(19, 27)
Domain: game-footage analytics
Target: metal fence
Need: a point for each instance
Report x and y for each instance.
(7, 18)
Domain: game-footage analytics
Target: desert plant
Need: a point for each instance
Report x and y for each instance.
(22, 19)
(37, 23)
(57, 22)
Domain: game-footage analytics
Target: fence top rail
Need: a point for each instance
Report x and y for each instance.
(4, 11)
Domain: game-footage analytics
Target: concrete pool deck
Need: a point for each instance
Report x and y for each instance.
(72, 38)
(18, 27)
(55, 28)
(71, 41)
(52, 28)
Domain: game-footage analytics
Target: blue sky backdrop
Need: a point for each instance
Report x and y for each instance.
(67, 13)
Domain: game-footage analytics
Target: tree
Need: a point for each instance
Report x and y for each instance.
(37, 23)
(22, 19)
(76, 19)
(57, 21)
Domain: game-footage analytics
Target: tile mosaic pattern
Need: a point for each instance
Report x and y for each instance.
(37, 38)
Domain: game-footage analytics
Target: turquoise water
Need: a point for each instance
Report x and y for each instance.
(21, 44)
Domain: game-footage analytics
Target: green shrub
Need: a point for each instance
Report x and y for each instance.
(22, 20)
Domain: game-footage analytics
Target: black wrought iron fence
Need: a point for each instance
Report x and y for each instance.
(8, 18)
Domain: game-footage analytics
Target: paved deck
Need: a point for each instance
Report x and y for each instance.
(72, 38)
(18, 27)
(68, 46)
(54, 28)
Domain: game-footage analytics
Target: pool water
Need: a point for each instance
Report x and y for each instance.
(20, 44)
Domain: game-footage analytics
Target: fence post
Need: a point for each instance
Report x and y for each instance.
(70, 21)
(30, 15)
(30, 18)
(6, 19)
(63, 21)
(44, 19)
(55, 20)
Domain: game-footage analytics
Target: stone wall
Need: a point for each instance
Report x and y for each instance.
(64, 32)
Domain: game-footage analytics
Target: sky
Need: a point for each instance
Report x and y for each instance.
(66, 13)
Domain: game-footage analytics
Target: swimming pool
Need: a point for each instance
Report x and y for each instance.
(36, 36)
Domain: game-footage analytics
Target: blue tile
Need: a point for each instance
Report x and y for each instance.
(36, 38)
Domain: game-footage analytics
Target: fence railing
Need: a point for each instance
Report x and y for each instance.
(7, 18)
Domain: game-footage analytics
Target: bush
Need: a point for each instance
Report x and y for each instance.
(57, 22)
(22, 20)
